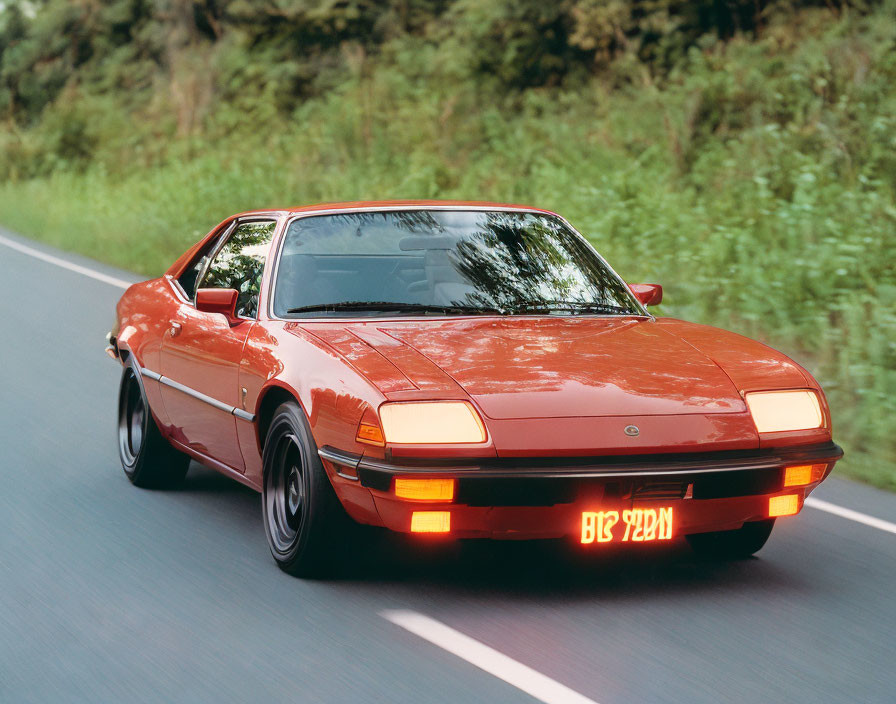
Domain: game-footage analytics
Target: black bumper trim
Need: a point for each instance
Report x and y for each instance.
(377, 473)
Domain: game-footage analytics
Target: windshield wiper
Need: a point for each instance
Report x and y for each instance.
(391, 306)
(572, 307)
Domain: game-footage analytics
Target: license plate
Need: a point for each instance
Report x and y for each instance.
(637, 525)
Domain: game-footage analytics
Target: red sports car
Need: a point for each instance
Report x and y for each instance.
(469, 369)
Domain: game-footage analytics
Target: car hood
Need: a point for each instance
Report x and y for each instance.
(569, 367)
(540, 367)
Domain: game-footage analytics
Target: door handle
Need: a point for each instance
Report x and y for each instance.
(175, 329)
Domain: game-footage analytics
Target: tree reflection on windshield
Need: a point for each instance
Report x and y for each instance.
(515, 262)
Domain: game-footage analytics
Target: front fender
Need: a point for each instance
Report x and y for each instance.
(333, 395)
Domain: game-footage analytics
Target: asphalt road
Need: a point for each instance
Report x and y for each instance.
(110, 593)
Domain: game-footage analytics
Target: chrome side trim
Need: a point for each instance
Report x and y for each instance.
(198, 395)
(244, 415)
(150, 374)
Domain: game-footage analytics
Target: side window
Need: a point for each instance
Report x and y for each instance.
(190, 276)
(239, 264)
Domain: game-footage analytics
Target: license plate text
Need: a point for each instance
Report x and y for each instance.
(637, 525)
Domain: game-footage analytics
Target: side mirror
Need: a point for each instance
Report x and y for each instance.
(648, 294)
(218, 300)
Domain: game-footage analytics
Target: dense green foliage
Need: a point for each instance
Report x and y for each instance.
(741, 153)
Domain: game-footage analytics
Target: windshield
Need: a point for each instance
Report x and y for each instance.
(442, 262)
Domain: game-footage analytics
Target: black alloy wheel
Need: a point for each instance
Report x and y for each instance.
(147, 458)
(285, 493)
(308, 530)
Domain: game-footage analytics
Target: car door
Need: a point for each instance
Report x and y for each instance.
(201, 353)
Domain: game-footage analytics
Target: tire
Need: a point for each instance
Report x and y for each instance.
(147, 458)
(308, 530)
(732, 544)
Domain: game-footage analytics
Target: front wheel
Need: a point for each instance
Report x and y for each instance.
(147, 458)
(306, 526)
(732, 544)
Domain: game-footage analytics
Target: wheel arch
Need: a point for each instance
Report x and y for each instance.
(270, 399)
(129, 362)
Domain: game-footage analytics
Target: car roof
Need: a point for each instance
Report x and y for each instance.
(395, 204)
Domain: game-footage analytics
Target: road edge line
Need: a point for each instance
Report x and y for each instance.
(851, 515)
(64, 264)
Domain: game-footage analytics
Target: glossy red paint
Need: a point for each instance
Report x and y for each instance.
(569, 367)
(545, 387)
(218, 300)
(648, 294)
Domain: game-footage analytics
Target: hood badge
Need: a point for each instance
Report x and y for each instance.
(632, 431)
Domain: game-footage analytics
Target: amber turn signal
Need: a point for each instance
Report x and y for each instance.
(424, 489)
(803, 474)
(430, 521)
(783, 505)
(370, 434)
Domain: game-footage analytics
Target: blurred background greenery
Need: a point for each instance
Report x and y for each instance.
(741, 152)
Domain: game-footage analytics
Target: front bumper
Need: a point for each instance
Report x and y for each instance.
(545, 497)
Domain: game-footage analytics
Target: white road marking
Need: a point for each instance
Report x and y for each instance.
(521, 676)
(851, 515)
(485, 658)
(71, 266)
